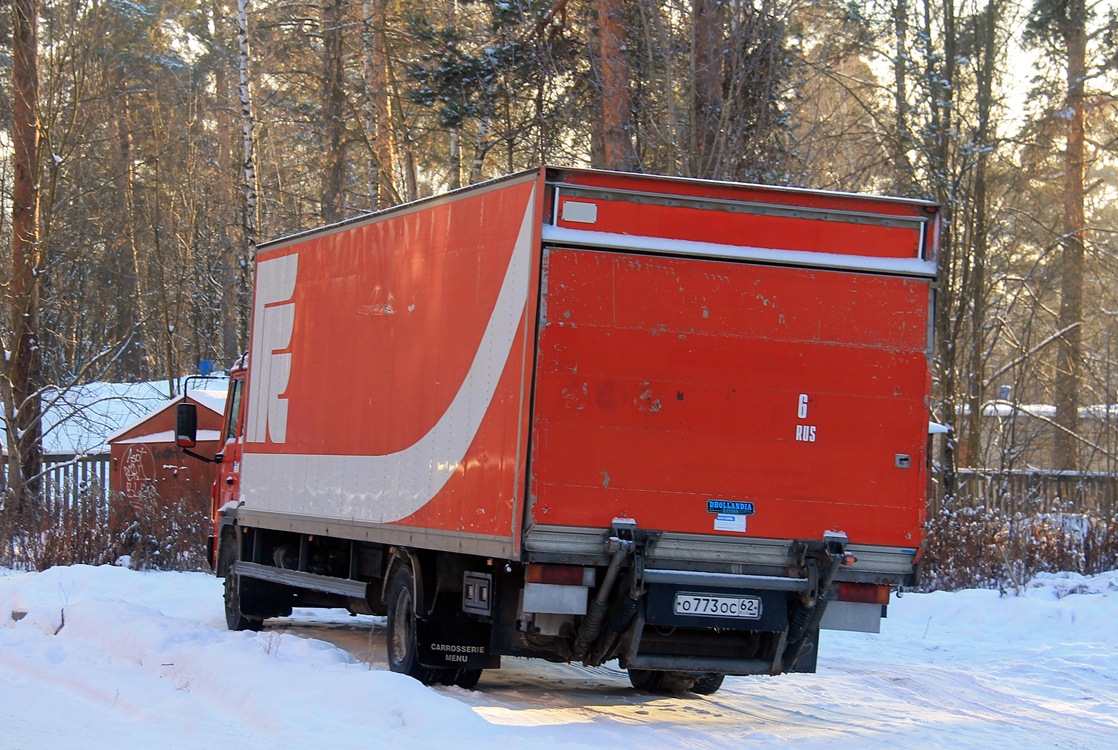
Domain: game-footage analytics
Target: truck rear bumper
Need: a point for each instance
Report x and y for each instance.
(676, 552)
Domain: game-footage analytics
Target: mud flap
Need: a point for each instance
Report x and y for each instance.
(456, 643)
(809, 655)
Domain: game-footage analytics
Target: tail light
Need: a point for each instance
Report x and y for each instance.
(561, 575)
(863, 593)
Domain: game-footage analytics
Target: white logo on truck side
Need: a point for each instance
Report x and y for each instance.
(271, 366)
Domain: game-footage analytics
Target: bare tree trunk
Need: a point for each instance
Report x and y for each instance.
(941, 71)
(368, 107)
(227, 262)
(160, 265)
(707, 25)
(133, 359)
(385, 145)
(989, 51)
(481, 148)
(333, 108)
(24, 358)
(454, 168)
(249, 222)
(616, 102)
(1069, 356)
(902, 168)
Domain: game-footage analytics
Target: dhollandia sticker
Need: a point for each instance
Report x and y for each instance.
(730, 515)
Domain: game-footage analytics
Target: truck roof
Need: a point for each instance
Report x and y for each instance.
(804, 198)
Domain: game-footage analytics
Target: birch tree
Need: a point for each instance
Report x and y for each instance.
(248, 169)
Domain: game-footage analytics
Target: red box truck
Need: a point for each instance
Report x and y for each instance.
(584, 416)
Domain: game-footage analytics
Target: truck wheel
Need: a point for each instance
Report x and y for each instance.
(403, 647)
(646, 679)
(708, 683)
(467, 679)
(234, 618)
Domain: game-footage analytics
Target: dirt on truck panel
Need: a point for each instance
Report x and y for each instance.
(585, 416)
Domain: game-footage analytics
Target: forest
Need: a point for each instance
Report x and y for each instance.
(150, 145)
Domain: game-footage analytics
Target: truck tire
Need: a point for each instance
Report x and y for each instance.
(708, 683)
(651, 680)
(235, 619)
(403, 647)
(466, 679)
(657, 681)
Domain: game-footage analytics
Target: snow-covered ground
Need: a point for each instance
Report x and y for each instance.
(110, 658)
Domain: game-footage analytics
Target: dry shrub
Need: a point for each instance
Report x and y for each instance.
(973, 547)
(966, 546)
(144, 534)
(158, 535)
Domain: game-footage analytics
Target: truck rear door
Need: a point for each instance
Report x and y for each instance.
(716, 397)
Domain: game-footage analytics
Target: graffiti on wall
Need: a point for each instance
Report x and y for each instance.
(143, 467)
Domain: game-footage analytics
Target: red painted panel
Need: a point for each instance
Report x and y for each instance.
(388, 317)
(160, 473)
(738, 192)
(859, 228)
(665, 383)
(483, 496)
(686, 222)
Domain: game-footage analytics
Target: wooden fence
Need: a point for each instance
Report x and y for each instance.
(1034, 491)
(70, 478)
(71, 481)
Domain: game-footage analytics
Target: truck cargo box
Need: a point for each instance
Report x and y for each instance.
(542, 357)
(572, 393)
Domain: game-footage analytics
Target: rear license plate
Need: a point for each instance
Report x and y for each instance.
(708, 605)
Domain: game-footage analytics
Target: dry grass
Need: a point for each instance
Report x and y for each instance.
(966, 546)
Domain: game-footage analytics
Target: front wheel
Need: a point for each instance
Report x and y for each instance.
(235, 619)
(403, 646)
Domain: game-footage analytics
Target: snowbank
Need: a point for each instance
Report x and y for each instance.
(107, 657)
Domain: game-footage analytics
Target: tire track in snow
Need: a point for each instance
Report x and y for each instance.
(887, 704)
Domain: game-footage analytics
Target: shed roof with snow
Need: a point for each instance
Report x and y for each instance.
(83, 419)
(151, 427)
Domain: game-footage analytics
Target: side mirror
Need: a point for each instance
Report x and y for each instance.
(186, 425)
